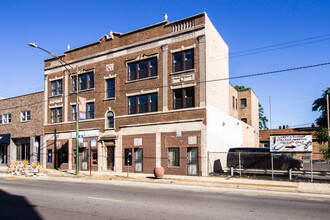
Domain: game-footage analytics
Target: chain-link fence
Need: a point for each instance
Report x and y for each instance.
(272, 165)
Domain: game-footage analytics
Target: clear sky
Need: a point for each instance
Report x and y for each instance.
(301, 29)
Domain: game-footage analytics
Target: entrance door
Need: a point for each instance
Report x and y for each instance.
(138, 160)
(110, 158)
(192, 161)
(84, 160)
(3, 155)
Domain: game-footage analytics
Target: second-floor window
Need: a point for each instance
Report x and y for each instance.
(0, 119)
(142, 69)
(90, 110)
(6, 118)
(143, 103)
(56, 87)
(55, 115)
(243, 103)
(110, 88)
(233, 102)
(73, 113)
(25, 116)
(86, 81)
(183, 60)
(184, 98)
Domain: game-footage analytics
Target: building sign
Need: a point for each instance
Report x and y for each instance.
(82, 108)
(93, 142)
(291, 143)
(192, 140)
(90, 133)
(137, 141)
(4, 138)
(80, 139)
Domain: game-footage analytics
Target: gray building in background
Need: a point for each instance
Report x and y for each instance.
(21, 128)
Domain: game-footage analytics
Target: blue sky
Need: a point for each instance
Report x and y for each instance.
(244, 25)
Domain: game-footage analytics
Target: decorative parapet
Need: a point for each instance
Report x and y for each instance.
(184, 25)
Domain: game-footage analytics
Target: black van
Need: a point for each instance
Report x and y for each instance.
(260, 158)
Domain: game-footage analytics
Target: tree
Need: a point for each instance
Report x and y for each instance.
(322, 134)
(262, 119)
(320, 105)
(241, 88)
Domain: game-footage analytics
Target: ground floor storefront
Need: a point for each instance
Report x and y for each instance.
(179, 148)
(19, 149)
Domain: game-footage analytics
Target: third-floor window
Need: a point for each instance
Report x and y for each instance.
(56, 87)
(110, 88)
(86, 81)
(183, 60)
(142, 69)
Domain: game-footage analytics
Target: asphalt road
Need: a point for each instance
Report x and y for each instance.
(24, 198)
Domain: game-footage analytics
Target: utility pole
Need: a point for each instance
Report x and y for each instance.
(65, 64)
(270, 113)
(328, 113)
(55, 157)
(77, 123)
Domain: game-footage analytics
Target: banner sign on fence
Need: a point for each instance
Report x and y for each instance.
(291, 143)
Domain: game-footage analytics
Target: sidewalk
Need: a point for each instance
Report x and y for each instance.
(308, 188)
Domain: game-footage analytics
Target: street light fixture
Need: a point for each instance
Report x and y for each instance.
(64, 64)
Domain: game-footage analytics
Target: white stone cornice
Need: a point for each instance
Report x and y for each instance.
(184, 85)
(142, 92)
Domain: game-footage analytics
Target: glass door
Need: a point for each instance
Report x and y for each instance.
(84, 160)
(110, 158)
(3, 155)
(138, 160)
(192, 161)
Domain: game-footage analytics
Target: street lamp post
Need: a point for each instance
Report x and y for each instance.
(64, 64)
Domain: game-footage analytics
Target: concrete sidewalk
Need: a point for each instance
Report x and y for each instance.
(321, 189)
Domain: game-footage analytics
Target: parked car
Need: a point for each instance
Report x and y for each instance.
(260, 158)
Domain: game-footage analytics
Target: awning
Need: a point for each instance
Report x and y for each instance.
(108, 137)
(109, 143)
(4, 138)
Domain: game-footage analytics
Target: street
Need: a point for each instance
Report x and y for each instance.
(32, 198)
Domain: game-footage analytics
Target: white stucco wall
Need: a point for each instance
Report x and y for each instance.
(223, 131)
(217, 91)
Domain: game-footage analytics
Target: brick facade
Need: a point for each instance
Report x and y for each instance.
(110, 58)
(24, 133)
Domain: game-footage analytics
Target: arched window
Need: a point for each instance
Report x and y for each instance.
(110, 120)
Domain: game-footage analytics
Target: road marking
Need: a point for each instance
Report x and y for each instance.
(312, 199)
(112, 200)
(2, 187)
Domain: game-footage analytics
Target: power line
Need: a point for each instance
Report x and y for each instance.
(245, 52)
(281, 44)
(279, 48)
(206, 81)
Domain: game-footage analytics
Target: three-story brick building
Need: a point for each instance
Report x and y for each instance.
(155, 96)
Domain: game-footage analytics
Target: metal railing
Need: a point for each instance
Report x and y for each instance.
(299, 165)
